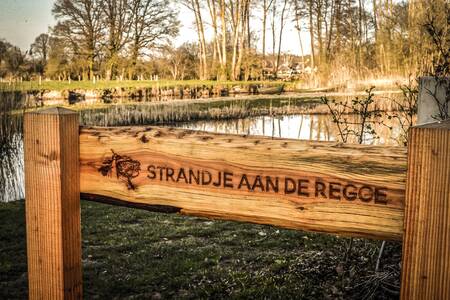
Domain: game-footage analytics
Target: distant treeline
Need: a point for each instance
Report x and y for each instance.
(131, 39)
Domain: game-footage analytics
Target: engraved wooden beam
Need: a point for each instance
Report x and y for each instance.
(52, 188)
(352, 190)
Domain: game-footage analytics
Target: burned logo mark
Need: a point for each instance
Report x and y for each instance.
(126, 168)
(144, 138)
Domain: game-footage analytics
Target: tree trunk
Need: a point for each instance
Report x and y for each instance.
(281, 35)
(217, 50)
(201, 36)
(236, 34)
(319, 31)
(274, 15)
(266, 7)
(311, 34)
(298, 27)
(242, 36)
(330, 32)
(224, 41)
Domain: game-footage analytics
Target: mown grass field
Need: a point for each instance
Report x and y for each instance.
(54, 85)
(136, 254)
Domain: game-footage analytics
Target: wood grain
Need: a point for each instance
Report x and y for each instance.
(104, 151)
(426, 246)
(51, 142)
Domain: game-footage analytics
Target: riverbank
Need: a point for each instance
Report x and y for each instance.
(70, 92)
(135, 254)
(301, 85)
(55, 85)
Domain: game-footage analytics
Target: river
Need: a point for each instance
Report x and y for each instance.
(281, 117)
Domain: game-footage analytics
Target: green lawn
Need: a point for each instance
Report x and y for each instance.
(135, 254)
(104, 84)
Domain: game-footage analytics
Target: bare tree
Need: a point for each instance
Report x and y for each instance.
(235, 17)
(14, 60)
(238, 11)
(4, 46)
(152, 22)
(180, 61)
(80, 24)
(117, 20)
(298, 15)
(265, 11)
(274, 34)
(40, 47)
(39, 52)
(347, 37)
(215, 11)
(311, 32)
(224, 35)
(280, 35)
(243, 36)
(194, 6)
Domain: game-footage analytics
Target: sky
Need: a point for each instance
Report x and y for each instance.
(21, 21)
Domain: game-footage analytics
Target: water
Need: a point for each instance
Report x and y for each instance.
(11, 146)
(282, 117)
(11, 172)
(317, 127)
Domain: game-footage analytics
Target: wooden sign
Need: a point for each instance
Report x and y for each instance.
(318, 186)
(328, 187)
(351, 190)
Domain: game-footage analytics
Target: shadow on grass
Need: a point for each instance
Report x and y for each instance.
(135, 254)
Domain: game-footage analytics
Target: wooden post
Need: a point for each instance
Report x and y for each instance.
(426, 243)
(52, 187)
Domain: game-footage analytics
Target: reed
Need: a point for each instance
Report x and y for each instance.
(171, 113)
(12, 105)
(10, 121)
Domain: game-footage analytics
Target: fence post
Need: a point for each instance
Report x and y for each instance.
(52, 191)
(426, 243)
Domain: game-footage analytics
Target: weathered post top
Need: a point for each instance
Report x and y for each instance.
(445, 125)
(54, 111)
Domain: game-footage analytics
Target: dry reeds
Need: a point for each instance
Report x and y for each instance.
(12, 104)
(170, 113)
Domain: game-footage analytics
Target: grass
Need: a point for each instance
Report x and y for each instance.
(135, 254)
(54, 85)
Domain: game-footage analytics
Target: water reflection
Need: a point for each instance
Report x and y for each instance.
(11, 171)
(11, 146)
(318, 127)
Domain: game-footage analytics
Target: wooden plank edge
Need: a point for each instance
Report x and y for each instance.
(114, 201)
(168, 209)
